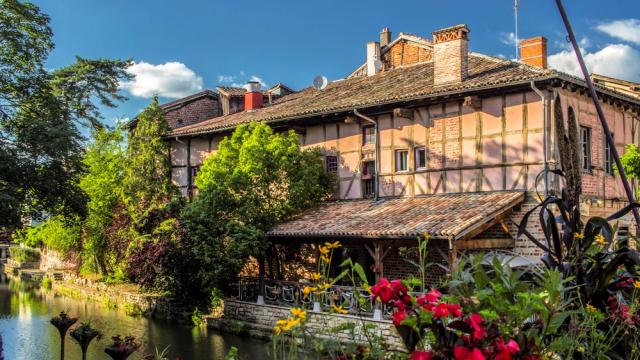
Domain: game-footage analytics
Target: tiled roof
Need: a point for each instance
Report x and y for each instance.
(448, 216)
(186, 99)
(231, 91)
(403, 83)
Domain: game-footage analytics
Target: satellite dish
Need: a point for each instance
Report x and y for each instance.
(320, 82)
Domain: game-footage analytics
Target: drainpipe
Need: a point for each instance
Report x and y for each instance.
(377, 145)
(545, 119)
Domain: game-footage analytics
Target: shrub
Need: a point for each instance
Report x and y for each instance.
(46, 283)
(24, 254)
(57, 233)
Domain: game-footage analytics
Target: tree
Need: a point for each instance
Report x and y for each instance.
(104, 161)
(631, 162)
(147, 181)
(255, 180)
(40, 112)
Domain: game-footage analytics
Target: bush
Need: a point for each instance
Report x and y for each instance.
(46, 283)
(57, 233)
(24, 254)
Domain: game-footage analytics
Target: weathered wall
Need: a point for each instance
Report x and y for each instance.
(259, 320)
(192, 112)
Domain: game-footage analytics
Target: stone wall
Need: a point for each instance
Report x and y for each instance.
(259, 320)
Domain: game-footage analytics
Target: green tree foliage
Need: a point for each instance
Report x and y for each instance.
(40, 112)
(147, 181)
(631, 161)
(255, 180)
(104, 161)
(57, 233)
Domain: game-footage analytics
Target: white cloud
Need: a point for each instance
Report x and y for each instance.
(615, 60)
(627, 30)
(508, 38)
(225, 79)
(258, 79)
(171, 80)
(239, 80)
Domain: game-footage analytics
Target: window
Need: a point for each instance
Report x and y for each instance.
(194, 172)
(608, 157)
(421, 158)
(402, 160)
(368, 135)
(331, 164)
(585, 143)
(368, 173)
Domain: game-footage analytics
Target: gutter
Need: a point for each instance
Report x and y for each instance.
(545, 142)
(377, 148)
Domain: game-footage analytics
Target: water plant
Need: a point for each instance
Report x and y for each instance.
(83, 335)
(121, 349)
(63, 322)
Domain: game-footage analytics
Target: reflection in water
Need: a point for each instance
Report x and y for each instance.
(27, 334)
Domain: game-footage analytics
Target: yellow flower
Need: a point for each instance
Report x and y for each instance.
(325, 258)
(324, 250)
(308, 290)
(636, 284)
(339, 310)
(299, 313)
(600, 240)
(323, 287)
(591, 308)
(280, 324)
(578, 235)
(427, 236)
(333, 245)
(291, 323)
(316, 276)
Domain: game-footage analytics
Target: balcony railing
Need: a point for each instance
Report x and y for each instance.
(290, 294)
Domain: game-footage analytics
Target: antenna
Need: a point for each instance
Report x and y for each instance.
(515, 11)
(320, 82)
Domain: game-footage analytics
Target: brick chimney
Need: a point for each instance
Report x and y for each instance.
(533, 52)
(253, 96)
(385, 37)
(450, 54)
(373, 55)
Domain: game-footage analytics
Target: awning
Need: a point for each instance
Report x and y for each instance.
(443, 216)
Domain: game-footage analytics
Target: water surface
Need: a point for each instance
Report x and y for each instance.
(28, 335)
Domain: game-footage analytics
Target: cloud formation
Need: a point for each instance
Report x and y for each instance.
(170, 80)
(615, 60)
(626, 29)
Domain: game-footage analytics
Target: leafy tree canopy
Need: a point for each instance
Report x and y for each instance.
(40, 111)
(256, 179)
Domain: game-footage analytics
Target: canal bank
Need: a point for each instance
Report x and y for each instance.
(26, 333)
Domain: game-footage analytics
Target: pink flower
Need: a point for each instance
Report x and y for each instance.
(398, 317)
(433, 295)
(421, 355)
(441, 310)
(454, 310)
(506, 350)
(398, 288)
(464, 353)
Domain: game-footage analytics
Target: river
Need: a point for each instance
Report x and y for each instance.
(28, 335)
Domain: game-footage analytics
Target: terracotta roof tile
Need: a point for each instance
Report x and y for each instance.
(403, 83)
(442, 216)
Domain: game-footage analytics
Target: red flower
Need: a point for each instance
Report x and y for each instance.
(441, 310)
(475, 321)
(464, 353)
(433, 295)
(454, 310)
(506, 350)
(398, 288)
(421, 355)
(382, 290)
(398, 317)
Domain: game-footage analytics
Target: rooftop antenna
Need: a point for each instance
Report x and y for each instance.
(515, 11)
(320, 82)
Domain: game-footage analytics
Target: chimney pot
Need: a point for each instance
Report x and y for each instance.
(450, 54)
(253, 97)
(385, 37)
(373, 57)
(533, 52)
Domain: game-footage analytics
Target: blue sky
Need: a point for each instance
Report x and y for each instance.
(180, 47)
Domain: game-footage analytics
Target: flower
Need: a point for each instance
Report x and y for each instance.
(315, 276)
(600, 240)
(398, 288)
(324, 250)
(636, 284)
(454, 310)
(463, 353)
(333, 245)
(475, 321)
(433, 295)
(339, 310)
(323, 287)
(440, 311)
(421, 355)
(382, 290)
(308, 290)
(578, 236)
(398, 317)
(504, 351)
(591, 309)
(324, 258)
(299, 313)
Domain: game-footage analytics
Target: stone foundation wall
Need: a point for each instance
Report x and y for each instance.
(259, 320)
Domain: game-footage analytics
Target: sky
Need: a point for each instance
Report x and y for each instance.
(181, 47)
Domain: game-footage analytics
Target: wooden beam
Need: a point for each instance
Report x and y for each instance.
(477, 244)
